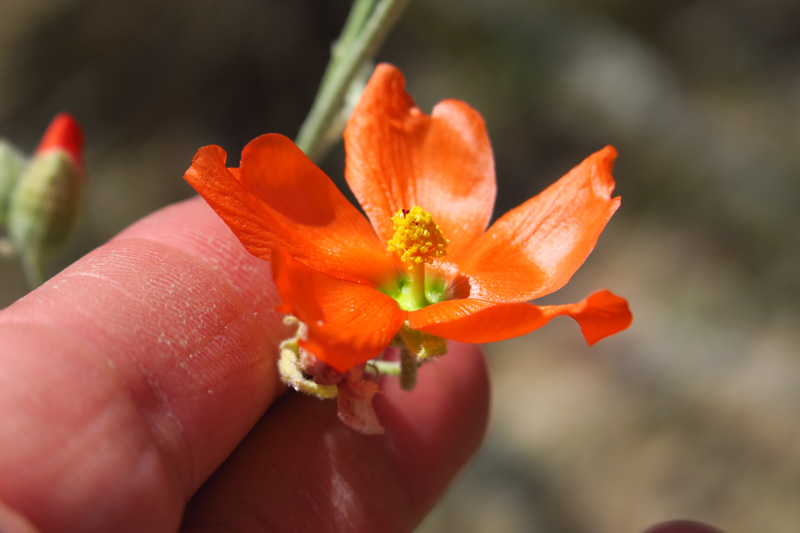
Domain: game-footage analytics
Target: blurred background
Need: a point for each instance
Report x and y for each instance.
(694, 412)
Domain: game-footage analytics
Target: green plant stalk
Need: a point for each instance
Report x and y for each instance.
(387, 368)
(408, 369)
(366, 28)
(359, 14)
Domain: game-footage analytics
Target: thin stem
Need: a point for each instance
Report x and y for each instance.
(418, 286)
(387, 368)
(359, 14)
(408, 369)
(360, 40)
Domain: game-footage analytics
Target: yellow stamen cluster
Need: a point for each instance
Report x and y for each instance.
(417, 239)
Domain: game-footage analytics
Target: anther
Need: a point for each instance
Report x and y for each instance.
(417, 239)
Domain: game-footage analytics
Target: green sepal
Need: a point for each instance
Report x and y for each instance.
(423, 345)
(44, 204)
(12, 164)
(289, 365)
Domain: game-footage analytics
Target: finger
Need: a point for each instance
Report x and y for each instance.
(301, 470)
(129, 377)
(681, 526)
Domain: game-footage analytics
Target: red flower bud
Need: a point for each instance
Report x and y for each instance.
(45, 201)
(64, 133)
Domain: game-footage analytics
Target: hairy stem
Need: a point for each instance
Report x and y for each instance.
(408, 369)
(366, 28)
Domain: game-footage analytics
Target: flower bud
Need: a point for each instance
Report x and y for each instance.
(45, 201)
(12, 163)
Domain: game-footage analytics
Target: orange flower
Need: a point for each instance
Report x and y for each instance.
(424, 182)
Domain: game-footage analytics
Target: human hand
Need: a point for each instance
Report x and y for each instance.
(129, 378)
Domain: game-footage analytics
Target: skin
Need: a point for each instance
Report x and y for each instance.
(139, 392)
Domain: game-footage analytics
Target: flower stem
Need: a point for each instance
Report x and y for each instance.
(387, 368)
(408, 369)
(367, 26)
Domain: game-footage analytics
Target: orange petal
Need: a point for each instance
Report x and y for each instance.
(398, 157)
(348, 323)
(600, 314)
(535, 249)
(476, 321)
(278, 197)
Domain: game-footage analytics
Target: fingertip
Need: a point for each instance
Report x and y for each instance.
(177, 323)
(682, 526)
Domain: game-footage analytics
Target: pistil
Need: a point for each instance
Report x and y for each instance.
(418, 296)
(417, 240)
